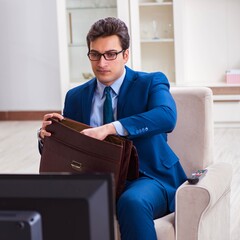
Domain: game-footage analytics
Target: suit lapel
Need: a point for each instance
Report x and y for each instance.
(127, 84)
(88, 92)
(87, 97)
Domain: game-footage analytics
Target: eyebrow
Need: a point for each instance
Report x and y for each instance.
(111, 50)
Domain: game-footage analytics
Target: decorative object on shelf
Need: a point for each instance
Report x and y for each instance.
(233, 76)
(155, 29)
(162, 1)
(168, 32)
(144, 33)
(87, 75)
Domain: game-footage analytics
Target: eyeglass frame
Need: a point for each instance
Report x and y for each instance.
(103, 54)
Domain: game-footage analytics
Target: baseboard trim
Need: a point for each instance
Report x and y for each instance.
(227, 124)
(24, 115)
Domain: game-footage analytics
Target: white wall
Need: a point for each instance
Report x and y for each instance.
(30, 66)
(29, 56)
(209, 39)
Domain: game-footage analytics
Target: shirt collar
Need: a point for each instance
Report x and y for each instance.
(115, 86)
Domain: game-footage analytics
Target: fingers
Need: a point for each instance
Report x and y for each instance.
(43, 133)
(101, 132)
(53, 115)
(92, 132)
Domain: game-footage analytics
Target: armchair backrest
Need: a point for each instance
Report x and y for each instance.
(192, 138)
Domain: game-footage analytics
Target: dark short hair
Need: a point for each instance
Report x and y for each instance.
(107, 27)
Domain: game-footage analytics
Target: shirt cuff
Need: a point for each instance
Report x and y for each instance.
(39, 138)
(121, 131)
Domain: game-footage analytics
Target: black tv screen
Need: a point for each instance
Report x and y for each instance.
(72, 207)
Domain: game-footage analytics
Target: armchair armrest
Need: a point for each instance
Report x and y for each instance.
(198, 214)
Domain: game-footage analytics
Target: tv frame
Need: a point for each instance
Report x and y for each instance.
(72, 206)
(16, 225)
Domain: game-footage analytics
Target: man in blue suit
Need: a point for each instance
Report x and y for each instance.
(143, 111)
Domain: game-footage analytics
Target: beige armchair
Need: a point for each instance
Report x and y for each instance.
(202, 210)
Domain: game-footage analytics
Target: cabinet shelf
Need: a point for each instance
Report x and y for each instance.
(157, 40)
(91, 8)
(90, 4)
(151, 4)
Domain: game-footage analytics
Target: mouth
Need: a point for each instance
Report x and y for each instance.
(103, 71)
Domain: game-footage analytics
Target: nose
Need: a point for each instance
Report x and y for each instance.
(102, 61)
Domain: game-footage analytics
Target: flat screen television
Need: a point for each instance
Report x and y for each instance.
(72, 207)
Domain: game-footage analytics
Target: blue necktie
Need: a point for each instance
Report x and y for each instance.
(107, 107)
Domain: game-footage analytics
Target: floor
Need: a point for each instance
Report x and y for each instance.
(19, 154)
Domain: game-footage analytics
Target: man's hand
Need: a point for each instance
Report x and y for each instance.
(101, 132)
(43, 133)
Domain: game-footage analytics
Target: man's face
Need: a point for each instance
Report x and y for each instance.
(108, 71)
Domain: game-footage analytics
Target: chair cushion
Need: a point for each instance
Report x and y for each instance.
(165, 228)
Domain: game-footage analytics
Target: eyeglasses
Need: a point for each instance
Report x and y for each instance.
(109, 56)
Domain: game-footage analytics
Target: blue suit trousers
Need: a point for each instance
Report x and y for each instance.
(142, 201)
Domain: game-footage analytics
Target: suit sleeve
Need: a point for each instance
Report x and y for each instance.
(160, 113)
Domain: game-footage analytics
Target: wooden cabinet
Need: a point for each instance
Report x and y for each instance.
(226, 105)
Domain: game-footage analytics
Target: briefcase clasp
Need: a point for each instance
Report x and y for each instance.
(76, 165)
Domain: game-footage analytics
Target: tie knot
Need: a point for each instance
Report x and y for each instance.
(107, 90)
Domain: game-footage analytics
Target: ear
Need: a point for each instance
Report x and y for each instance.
(126, 55)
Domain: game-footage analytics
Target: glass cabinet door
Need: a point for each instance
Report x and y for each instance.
(81, 14)
(153, 30)
(157, 37)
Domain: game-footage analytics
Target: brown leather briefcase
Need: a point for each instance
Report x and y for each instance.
(67, 150)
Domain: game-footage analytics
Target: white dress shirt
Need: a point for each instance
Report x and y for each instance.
(96, 117)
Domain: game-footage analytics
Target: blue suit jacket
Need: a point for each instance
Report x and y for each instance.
(147, 111)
